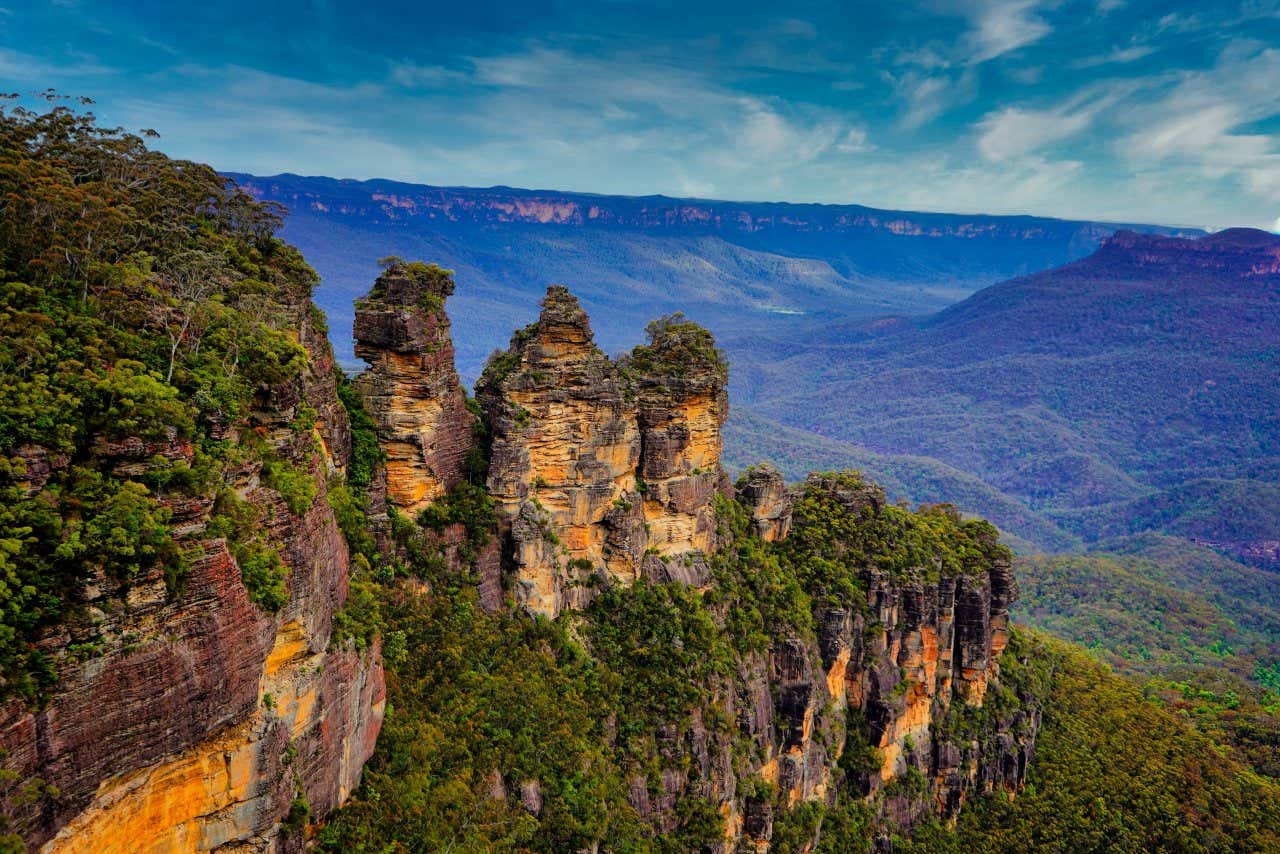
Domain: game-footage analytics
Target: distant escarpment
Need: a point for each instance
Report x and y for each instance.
(177, 668)
(1131, 391)
(753, 272)
(754, 655)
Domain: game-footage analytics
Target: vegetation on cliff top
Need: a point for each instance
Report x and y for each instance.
(678, 349)
(142, 299)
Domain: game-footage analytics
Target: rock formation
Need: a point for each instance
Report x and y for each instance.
(204, 722)
(763, 490)
(411, 387)
(682, 401)
(603, 472)
(199, 720)
(562, 470)
(889, 679)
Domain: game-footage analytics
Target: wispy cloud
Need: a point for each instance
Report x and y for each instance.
(1002, 26)
(1016, 131)
(1204, 123)
(1089, 108)
(1116, 56)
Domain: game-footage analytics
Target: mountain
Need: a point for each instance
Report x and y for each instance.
(736, 267)
(1131, 390)
(249, 603)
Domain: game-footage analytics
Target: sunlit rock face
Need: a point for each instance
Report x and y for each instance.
(681, 403)
(868, 704)
(199, 718)
(602, 471)
(411, 387)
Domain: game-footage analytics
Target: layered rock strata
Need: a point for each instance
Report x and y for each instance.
(411, 388)
(680, 388)
(603, 472)
(197, 721)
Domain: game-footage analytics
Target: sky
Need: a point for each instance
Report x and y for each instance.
(1104, 109)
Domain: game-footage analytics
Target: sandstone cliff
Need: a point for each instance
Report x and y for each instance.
(603, 472)
(196, 719)
(606, 472)
(884, 702)
(411, 387)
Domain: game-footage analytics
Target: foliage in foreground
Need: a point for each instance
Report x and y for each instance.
(488, 712)
(140, 298)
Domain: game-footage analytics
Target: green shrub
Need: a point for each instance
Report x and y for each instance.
(296, 486)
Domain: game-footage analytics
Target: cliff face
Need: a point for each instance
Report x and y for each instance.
(856, 641)
(882, 702)
(562, 471)
(197, 719)
(411, 388)
(602, 472)
(681, 404)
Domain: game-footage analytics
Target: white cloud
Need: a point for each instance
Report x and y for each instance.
(854, 142)
(1203, 123)
(1117, 56)
(413, 75)
(925, 97)
(1014, 131)
(1002, 26)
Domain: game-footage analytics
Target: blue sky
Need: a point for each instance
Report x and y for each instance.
(1105, 109)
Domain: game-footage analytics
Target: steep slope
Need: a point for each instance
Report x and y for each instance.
(1112, 772)
(1199, 631)
(685, 664)
(734, 265)
(174, 674)
(1103, 388)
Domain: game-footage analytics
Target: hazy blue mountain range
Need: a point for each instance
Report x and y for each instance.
(735, 267)
(1133, 390)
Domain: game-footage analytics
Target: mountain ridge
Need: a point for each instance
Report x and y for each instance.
(734, 266)
(1110, 382)
(600, 215)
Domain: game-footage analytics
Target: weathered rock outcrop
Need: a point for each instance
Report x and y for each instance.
(603, 472)
(680, 387)
(411, 387)
(196, 720)
(763, 490)
(562, 470)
